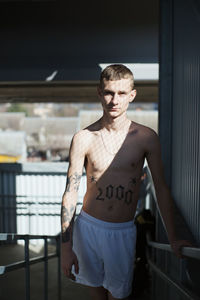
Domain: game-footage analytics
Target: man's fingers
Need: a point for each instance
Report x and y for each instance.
(178, 245)
(188, 244)
(67, 267)
(72, 277)
(67, 272)
(64, 271)
(179, 254)
(76, 266)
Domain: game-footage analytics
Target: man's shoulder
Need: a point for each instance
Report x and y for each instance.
(148, 139)
(81, 136)
(144, 131)
(146, 136)
(86, 134)
(94, 127)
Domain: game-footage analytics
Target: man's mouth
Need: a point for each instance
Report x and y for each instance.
(113, 108)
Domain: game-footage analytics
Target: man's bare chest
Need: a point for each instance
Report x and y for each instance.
(128, 157)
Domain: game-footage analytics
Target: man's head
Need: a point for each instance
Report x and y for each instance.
(116, 72)
(116, 90)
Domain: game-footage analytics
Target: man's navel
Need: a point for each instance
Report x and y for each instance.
(110, 207)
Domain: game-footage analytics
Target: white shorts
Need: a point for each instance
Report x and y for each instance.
(105, 253)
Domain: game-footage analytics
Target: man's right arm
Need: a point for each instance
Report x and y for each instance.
(69, 200)
(163, 194)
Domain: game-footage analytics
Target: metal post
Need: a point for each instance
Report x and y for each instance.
(45, 268)
(27, 267)
(58, 245)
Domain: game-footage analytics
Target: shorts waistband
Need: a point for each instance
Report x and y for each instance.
(103, 224)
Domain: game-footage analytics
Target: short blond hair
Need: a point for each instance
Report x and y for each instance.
(116, 72)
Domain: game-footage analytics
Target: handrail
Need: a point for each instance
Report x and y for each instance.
(30, 261)
(22, 264)
(184, 291)
(192, 252)
(186, 251)
(13, 236)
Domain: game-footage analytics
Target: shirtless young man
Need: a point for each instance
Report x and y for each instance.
(112, 150)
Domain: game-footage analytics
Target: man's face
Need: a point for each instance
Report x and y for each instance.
(115, 96)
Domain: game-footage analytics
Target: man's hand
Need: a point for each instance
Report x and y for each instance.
(68, 259)
(177, 245)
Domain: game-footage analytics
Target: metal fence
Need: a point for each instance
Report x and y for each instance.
(30, 197)
(30, 204)
(183, 284)
(27, 262)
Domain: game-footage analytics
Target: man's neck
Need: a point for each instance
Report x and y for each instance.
(121, 123)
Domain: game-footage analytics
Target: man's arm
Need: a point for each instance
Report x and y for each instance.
(69, 200)
(164, 198)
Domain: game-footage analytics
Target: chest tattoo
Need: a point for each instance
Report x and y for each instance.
(93, 179)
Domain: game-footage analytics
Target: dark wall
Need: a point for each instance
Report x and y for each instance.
(180, 106)
(186, 112)
(74, 37)
(179, 128)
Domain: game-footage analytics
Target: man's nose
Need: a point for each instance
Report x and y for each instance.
(115, 99)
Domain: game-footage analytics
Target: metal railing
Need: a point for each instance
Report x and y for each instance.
(30, 202)
(182, 289)
(30, 197)
(27, 262)
(185, 251)
(189, 252)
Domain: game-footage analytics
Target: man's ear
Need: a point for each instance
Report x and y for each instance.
(133, 95)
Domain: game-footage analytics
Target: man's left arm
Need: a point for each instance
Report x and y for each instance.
(163, 195)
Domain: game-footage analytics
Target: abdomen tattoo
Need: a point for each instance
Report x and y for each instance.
(117, 192)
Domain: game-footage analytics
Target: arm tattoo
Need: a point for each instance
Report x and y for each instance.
(68, 183)
(67, 234)
(73, 180)
(68, 212)
(77, 179)
(67, 216)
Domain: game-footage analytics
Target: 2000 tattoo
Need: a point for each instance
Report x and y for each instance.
(118, 192)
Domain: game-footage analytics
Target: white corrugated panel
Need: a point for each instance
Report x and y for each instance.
(39, 199)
